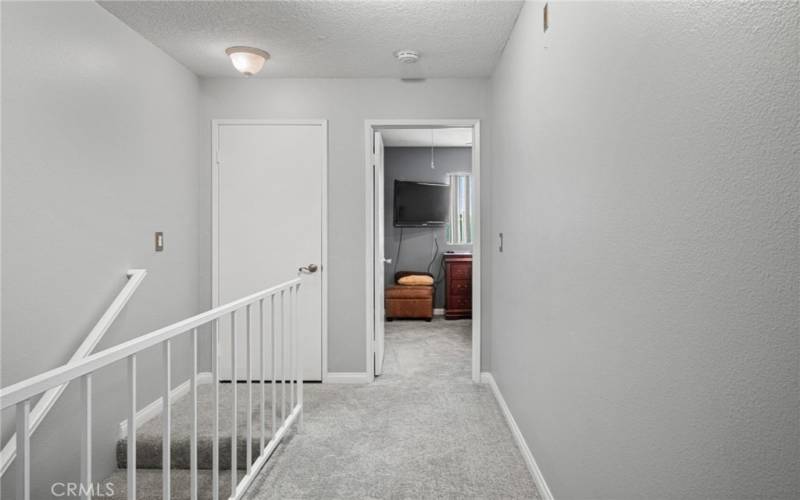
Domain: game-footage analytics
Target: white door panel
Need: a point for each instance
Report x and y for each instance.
(270, 223)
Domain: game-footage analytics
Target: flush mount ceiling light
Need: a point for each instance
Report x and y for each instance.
(407, 56)
(247, 60)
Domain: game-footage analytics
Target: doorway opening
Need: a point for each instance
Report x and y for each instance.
(423, 245)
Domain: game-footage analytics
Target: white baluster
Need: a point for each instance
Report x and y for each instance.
(292, 346)
(86, 436)
(274, 365)
(23, 450)
(261, 374)
(234, 379)
(131, 427)
(299, 362)
(215, 381)
(166, 415)
(248, 445)
(193, 439)
(283, 357)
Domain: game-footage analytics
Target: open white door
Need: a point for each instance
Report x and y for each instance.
(269, 215)
(380, 260)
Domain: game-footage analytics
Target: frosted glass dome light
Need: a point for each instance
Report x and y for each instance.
(247, 60)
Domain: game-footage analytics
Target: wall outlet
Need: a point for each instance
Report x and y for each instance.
(159, 240)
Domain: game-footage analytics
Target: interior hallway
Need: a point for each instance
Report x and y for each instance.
(422, 430)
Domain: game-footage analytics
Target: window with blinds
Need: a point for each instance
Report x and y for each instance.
(459, 229)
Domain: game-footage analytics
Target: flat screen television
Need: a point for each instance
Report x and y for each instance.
(421, 204)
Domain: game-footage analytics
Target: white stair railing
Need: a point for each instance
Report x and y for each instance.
(49, 398)
(286, 369)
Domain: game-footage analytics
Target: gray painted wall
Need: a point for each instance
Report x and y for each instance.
(100, 149)
(345, 103)
(645, 310)
(414, 164)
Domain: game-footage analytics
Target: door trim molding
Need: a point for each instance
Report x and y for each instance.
(215, 128)
(370, 126)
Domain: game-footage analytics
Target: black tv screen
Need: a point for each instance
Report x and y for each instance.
(420, 204)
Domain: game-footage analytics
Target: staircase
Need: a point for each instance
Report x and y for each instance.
(275, 306)
(149, 451)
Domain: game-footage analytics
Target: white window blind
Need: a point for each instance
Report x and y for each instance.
(459, 229)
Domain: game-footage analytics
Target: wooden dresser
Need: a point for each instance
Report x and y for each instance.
(458, 286)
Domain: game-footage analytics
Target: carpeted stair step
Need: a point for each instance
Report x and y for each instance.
(149, 456)
(149, 484)
(149, 435)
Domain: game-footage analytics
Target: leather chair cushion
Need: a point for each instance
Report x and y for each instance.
(416, 280)
(402, 274)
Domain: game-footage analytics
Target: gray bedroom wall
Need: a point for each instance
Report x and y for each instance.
(345, 103)
(414, 164)
(100, 145)
(645, 309)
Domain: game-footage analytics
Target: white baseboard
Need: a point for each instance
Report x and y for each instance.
(438, 311)
(536, 473)
(348, 378)
(153, 410)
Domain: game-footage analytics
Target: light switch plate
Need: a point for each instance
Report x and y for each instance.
(159, 241)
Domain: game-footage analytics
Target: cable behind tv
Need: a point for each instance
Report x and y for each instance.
(435, 252)
(397, 255)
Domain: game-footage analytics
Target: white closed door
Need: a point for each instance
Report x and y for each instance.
(269, 222)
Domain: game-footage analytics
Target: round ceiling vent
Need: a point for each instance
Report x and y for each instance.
(407, 56)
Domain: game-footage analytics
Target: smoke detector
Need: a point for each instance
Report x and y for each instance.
(407, 56)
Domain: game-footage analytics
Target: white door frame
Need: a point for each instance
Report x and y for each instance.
(370, 127)
(378, 249)
(215, 128)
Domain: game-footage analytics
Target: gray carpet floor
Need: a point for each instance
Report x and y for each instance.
(422, 430)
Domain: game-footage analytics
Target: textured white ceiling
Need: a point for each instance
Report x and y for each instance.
(457, 38)
(416, 137)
